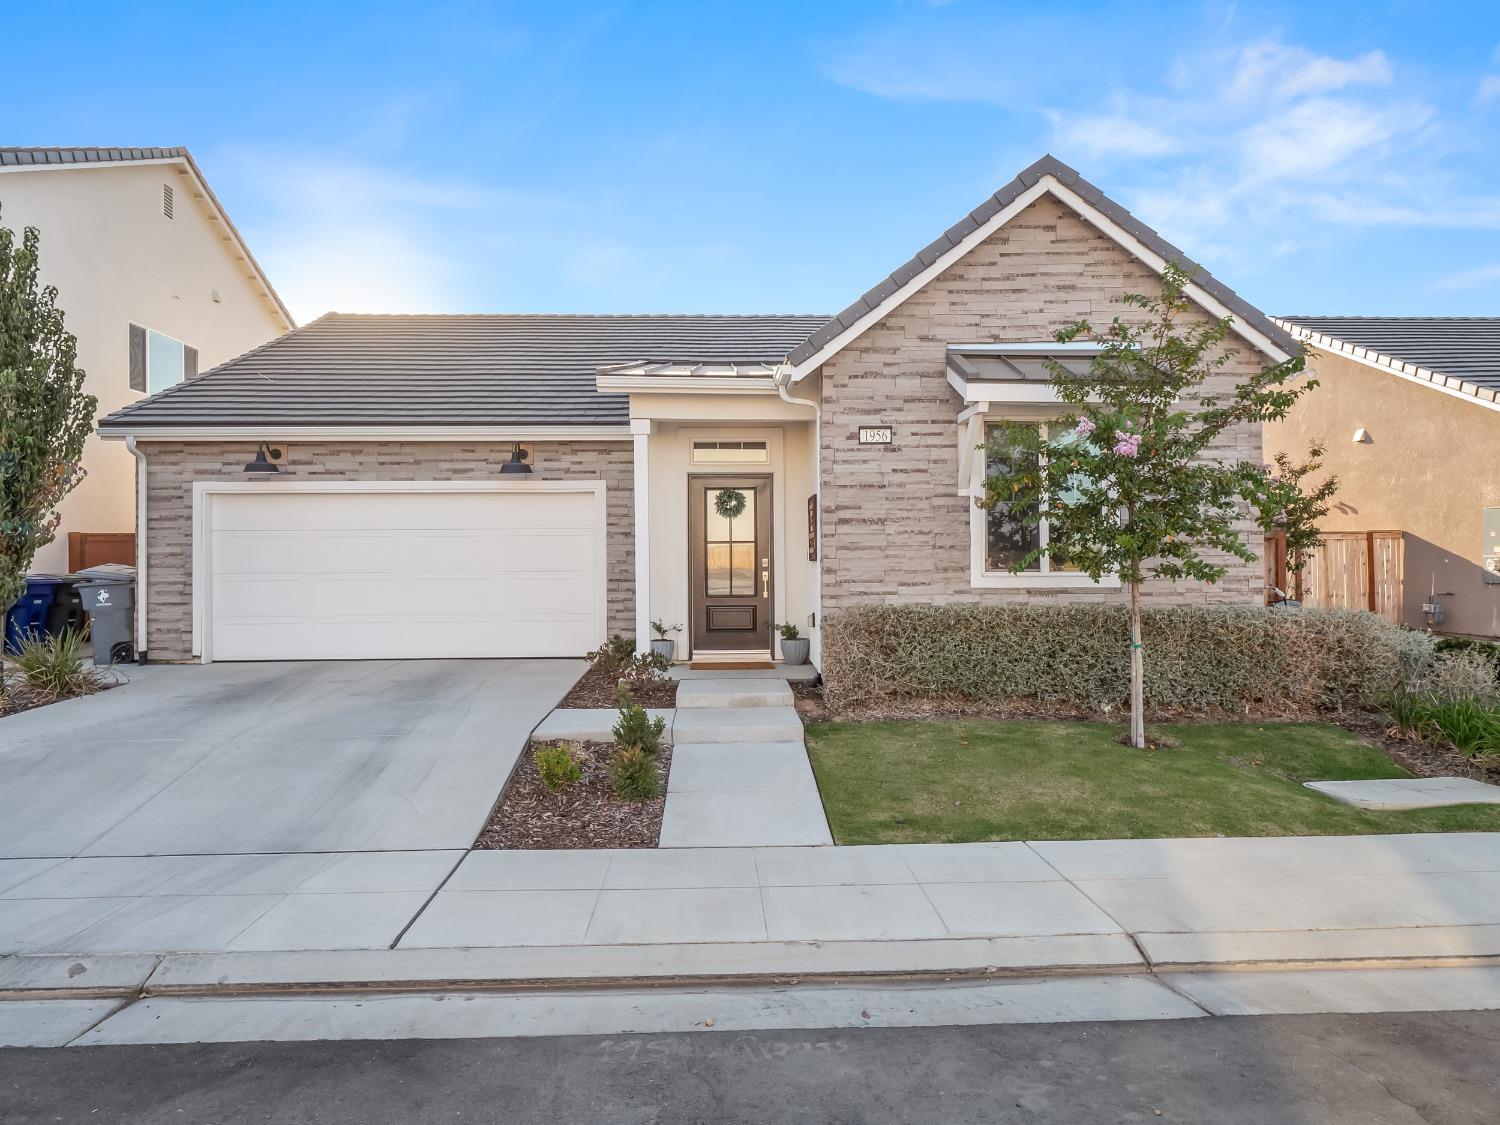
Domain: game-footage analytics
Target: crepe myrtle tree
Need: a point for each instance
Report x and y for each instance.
(44, 414)
(1128, 478)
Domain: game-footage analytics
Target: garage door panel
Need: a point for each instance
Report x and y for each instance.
(375, 552)
(424, 511)
(469, 574)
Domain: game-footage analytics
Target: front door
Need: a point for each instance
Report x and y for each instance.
(729, 537)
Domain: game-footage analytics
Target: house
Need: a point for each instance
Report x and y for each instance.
(380, 486)
(157, 285)
(1409, 408)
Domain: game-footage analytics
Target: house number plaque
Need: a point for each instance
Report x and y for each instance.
(874, 435)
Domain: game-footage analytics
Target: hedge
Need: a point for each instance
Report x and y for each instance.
(1239, 659)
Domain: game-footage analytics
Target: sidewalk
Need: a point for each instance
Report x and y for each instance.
(183, 923)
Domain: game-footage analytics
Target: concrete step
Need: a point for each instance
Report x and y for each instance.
(737, 724)
(733, 693)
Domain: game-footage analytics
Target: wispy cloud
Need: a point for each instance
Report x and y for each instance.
(1470, 279)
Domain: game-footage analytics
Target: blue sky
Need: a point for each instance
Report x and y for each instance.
(1329, 157)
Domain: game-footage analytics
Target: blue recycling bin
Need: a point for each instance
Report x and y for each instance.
(27, 619)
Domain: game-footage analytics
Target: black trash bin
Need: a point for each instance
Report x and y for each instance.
(66, 614)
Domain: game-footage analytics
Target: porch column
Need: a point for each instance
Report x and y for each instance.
(640, 432)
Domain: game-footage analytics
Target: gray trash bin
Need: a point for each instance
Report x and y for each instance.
(109, 599)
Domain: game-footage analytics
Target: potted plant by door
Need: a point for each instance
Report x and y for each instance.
(794, 646)
(662, 644)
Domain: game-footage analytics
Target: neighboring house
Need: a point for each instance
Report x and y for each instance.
(398, 521)
(156, 284)
(1410, 410)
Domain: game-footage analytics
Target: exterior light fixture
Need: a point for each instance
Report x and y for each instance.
(517, 462)
(265, 461)
(1362, 436)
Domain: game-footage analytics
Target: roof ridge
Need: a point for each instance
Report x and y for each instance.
(575, 316)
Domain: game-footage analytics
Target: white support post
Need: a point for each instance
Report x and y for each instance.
(640, 433)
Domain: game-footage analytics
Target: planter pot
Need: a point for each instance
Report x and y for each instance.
(665, 646)
(795, 652)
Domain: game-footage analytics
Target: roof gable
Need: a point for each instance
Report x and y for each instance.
(1047, 176)
(14, 159)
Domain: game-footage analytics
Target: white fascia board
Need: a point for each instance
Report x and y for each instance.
(915, 285)
(686, 384)
(1081, 347)
(272, 432)
(1045, 185)
(1001, 393)
(1411, 372)
(1137, 249)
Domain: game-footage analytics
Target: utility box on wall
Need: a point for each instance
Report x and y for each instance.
(1490, 548)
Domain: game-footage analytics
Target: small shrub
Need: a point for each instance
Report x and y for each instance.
(635, 727)
(613, 655)
(645, 669)
(1471, 724)
(558, 767)
(58, 667)
(789, 632)
(1457, 673)
(632, 774)
(1487, 651)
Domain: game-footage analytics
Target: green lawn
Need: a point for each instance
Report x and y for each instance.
(973, 780)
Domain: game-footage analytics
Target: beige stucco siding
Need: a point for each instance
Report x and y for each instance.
(117, 260)
(895, 528)
(174, 466)
(1430, 468)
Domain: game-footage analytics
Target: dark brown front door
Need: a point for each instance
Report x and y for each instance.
(730, 563)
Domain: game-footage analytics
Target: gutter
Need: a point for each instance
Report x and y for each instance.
(140, 548)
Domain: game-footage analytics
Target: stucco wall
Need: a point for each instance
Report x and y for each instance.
(117, 260)
(895, 529)
(1430, 468)
(174, 466)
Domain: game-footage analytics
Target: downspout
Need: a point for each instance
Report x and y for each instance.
(817, 409)
(140, 549)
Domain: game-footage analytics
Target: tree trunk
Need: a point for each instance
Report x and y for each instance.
(1137, 672)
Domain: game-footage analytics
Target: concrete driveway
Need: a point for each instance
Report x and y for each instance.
(271, 758)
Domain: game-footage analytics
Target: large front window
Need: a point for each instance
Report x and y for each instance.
(1011, 530)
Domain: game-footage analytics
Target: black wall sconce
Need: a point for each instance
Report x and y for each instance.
(265, 460)
(517, 462)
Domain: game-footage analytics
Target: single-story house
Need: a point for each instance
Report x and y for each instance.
(1409, 408)
(517, 485)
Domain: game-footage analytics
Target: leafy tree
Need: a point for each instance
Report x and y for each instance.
(1128, 478)
(1295, 509)
(44, 414)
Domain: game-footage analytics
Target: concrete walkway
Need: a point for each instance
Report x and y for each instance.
(740, 775)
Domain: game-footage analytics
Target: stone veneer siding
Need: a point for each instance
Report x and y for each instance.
(172, 467)
(895, 530)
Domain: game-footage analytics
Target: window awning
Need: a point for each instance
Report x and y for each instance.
(1018, 373)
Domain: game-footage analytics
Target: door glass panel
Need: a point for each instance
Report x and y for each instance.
(718, 580)
(729, 548)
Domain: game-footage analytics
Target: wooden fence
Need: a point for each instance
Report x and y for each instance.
(92, 548)
(1348, 570)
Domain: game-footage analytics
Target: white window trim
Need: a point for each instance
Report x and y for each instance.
(204, 492)
(981, 578)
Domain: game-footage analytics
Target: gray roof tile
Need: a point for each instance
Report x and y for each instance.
(478, 370)
(1464, 349)
(1047, 166)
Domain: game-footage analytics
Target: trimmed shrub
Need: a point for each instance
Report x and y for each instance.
(1487, 651)
(635, 727)
(632, 774)
(558, 767)
(1230, 658)
(613, 656)
(1457, 673)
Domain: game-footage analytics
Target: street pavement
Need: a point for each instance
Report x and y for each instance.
(1404, 1069)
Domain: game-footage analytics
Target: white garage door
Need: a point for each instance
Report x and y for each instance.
(348, 575)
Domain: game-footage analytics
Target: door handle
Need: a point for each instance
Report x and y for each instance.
(765, 583)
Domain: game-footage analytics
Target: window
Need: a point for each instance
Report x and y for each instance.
(1005, 533)
(729, 552)
(157, 361)
(730, 452)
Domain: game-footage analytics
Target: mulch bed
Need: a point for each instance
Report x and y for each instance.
(1423, 759)
(585, 815)
(18, 698)
(807, 697)
(596, 689)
